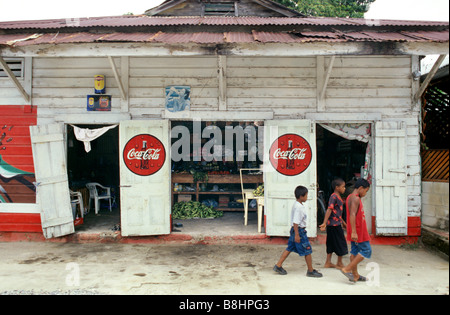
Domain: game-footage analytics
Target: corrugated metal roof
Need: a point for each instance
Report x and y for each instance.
(248, 30)
(139, 20)
(238, 37)
(221, 37)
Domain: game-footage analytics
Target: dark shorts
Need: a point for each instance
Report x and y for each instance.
(304, 247)
(336, 242)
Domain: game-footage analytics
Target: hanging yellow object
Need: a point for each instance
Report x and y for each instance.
(99, 87)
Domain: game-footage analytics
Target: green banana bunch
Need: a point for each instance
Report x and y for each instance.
(194, 209)
(259, 192)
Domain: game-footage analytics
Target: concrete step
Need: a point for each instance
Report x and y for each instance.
(436, 240)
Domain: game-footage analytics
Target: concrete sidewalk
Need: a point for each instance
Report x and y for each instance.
(227, 230)
(193, 269)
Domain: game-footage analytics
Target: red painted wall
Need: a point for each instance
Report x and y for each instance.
(20, 222)
(16, 155)
(414, 226)
(17, 167)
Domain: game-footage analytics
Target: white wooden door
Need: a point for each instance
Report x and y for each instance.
(52, 185)
(390, 176)
(145, 177)
(289, 161)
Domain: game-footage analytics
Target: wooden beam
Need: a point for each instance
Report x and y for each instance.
(222, 68)
(323, 76)
(236, 49)
(14, 80)
(429, 77)
(116, 75)
(320, 71)
(215, 115)
(327, 77)
(125, 79)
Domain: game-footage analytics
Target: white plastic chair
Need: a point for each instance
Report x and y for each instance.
(105, 193)
(77, 198)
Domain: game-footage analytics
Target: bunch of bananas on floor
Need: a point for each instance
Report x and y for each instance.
(194, 209)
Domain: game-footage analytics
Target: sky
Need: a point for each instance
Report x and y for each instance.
(418, 10)
(13, 10)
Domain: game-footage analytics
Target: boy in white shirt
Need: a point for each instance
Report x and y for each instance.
(298, 240)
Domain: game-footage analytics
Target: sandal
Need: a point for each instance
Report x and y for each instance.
(349, 275)
(362, 278)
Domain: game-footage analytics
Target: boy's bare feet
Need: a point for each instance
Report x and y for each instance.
(330, 265)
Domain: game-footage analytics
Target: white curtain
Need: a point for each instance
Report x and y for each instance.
(87, 135)
(360, 132)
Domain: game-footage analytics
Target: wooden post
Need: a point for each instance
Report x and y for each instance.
(429, 77)
(222, 68)
(116, 75)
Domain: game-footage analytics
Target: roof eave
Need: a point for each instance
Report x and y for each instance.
(104, 49)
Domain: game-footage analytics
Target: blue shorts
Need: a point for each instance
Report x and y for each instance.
(304, 247)
(364, 249)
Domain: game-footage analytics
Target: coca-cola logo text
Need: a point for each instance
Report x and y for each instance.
(290, 154)
(149, 154)
(144, 155)
(295, 154)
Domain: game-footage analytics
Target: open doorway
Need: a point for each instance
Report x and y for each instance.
(338, 157)
(209, 176)
(99, 165)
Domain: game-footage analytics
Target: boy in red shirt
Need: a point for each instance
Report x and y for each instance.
(357, 231)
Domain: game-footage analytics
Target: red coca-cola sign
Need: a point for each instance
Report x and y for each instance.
(290, 154)
(144, 155)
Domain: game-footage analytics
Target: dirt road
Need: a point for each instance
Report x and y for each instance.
(66, 268)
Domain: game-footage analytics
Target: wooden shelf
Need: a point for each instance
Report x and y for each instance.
(219, 179)
(216, 179)
(207, 193)
(220, 193)
(235, 209)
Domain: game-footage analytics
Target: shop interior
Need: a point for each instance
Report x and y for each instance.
(100, 165)
(217, 183)
(197, 182)
(211, 177)
(337, 157)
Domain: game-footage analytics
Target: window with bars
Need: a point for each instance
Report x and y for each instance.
(16, 65)
(219, 9)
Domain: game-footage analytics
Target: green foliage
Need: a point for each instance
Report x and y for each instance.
(200, 176)
(329, 8)
(194, 209)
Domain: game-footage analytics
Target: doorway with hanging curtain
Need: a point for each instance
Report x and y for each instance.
(93, 157)
(344, 151)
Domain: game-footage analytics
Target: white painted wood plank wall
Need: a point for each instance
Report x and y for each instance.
(286, 86)
(150, 76)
